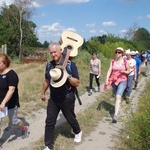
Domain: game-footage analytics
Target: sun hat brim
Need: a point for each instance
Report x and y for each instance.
(61, 82)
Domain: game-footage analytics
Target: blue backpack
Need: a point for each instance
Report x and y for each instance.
(148, 56)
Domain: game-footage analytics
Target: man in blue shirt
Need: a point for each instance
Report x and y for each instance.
(138, 67)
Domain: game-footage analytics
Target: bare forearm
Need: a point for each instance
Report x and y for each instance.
(74, 82)
(8, 95)
(45, 87)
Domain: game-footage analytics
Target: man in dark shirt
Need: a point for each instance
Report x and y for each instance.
(62, 95)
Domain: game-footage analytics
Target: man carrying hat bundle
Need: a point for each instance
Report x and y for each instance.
(62, 84)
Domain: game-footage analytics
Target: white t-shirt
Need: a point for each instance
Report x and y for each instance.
(132, 63)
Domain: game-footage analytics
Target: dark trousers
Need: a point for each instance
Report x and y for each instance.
(91, 80)
(53, 109)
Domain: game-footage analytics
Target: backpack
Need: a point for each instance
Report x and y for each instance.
(148, 56)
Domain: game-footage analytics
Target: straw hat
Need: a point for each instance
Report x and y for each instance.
(58, 77)
(133, 53)
(120, 49)
(128, 52)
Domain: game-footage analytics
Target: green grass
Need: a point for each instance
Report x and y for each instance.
(136, 134)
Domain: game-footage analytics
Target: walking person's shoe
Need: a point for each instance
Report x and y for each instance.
(90, 93)
(78, 137)
(94, 90)
(99, 89)
(25, 133)
(46, 148)
(1, 146)
(134, 88)
(114, 119)
(127, 99)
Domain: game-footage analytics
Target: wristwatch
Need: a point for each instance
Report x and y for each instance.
(69, 77)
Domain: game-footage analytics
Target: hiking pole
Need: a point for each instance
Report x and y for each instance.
(77, 95)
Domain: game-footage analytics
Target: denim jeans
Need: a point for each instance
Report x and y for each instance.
(129, 85)
(53, 109)
(119, 89)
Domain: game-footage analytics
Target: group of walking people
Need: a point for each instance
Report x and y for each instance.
(122, 74)
(62, 82)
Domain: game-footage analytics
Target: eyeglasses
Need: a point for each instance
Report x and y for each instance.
(118, 52)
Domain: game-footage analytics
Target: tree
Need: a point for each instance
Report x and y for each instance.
(131, 31)
(142, 36)
(15, 18)
(46, 44)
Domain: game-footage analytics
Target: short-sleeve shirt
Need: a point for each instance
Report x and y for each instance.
(57, 94)
(95, 66)
(131, 63)
(138, 64)
(6, 80)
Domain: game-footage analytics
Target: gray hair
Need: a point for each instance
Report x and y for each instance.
(54, 43)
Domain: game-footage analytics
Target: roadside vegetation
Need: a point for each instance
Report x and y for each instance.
(136, 133)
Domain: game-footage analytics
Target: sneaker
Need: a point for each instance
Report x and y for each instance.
(90, 93)
(46, 148)
(78, 137)
(1, 146)
(114, 119)
(25, 133)
(134, 88)
(98, 89)
(94, 90)
(127, 99)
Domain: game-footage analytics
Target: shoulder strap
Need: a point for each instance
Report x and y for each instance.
(125, 61)
(112, 61)
(50, 65)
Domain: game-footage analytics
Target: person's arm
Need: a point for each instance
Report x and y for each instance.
(44, 89)
(109, 72)
(127, 71)
(7, 97)
(99, 71)
(73, 81)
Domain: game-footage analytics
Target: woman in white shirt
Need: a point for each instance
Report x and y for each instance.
(131, 75)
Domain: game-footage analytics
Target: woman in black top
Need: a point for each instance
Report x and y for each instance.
(9, 93)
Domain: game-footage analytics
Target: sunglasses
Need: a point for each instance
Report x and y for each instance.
(118, 52)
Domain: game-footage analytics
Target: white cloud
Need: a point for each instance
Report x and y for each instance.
(123, 31)
(103, 32)
(90, 25)
(43, 2)
(39, 3)
(8, 2)
(109, 23)
(92, 31)
(52, 32)
(140, 17)
(148, 16)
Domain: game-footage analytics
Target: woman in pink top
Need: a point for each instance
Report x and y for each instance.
(117, 77)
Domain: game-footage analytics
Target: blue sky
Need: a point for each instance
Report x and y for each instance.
(88, 17)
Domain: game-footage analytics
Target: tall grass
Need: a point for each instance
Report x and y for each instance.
(136, 134)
